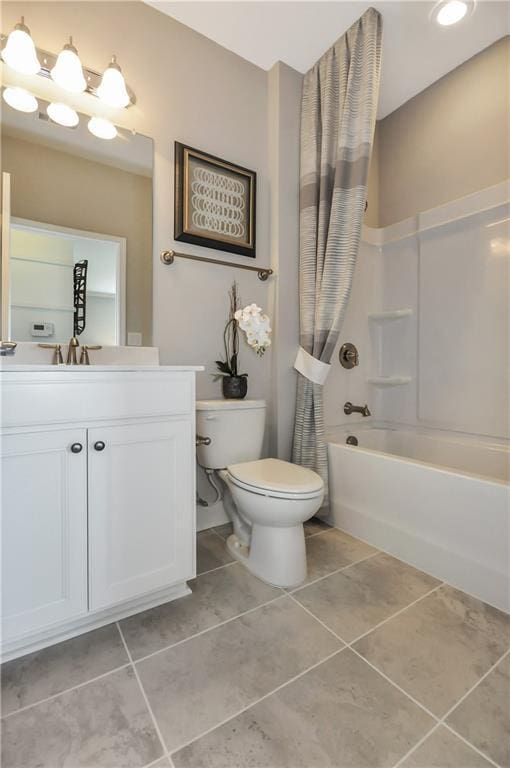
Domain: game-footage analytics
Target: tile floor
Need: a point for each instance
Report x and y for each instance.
(371, 663)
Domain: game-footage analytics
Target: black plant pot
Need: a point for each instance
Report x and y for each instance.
(234, 387)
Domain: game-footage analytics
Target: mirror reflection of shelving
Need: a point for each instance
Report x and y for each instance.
(41, 305)
(388, 341)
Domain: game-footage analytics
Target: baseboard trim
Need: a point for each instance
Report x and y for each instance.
(92, 620)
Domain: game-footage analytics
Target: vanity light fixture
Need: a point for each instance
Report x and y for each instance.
(449, 12)
(112, 90)
(20, 99)
(63, 115)
(19, 52)
(68, 72)
(101, 128)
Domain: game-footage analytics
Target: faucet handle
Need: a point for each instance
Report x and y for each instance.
(7, 348)
(84, 356)
(57, 357)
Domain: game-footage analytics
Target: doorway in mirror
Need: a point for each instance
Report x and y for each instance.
(43, 257)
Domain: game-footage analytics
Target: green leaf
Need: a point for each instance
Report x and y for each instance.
(223, 367)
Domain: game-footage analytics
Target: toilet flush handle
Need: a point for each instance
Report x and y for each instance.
(200, 440)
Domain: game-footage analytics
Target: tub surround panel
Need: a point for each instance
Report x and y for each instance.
(464, 295)
(450, 266)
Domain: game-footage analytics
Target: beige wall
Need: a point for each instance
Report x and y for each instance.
(283, 129)
(55, 187)
(448, 141)
(192, 90)
(372, 213)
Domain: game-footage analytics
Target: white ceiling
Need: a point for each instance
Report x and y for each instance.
(416, 51)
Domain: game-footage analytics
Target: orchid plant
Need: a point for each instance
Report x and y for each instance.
(254, 324)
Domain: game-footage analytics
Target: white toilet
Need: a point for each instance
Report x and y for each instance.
(268, 500)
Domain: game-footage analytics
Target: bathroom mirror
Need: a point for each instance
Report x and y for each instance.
(75, 198)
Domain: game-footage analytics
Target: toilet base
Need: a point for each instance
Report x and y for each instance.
(275, 555)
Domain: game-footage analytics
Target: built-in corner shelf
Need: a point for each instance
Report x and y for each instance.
(392, 314)
(389, 381)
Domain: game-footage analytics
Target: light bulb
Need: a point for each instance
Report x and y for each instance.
(102, 128)
(451, 12)
(63, 115)
(112, 90)
(19, 99)
(19, 52)
(67, 71)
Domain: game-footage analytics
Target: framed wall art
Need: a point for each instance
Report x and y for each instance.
(215, 202)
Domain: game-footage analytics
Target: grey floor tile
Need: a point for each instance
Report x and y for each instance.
(44, 673)
(224, 530)
(439, 647)
(315, 525)
(102, 724)
(444, 750)
(340, 714)
(353, 601)
(483, 718)
(216, 597)
(196, 685)
(163, 763)
(211, 552)
(331, 550)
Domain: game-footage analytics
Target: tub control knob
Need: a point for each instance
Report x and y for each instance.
(348, 356)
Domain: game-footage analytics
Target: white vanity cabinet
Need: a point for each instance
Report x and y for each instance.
(44, 529)
(98, 497)
(137, 474)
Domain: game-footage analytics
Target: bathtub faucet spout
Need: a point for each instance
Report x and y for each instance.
(350, 408)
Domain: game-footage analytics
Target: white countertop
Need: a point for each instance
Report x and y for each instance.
(71, 369)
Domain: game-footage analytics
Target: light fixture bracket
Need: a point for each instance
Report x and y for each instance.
(93, 78)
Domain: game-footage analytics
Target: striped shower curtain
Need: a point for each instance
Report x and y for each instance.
(338, 113)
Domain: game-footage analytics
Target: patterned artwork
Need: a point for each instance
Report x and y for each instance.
(214, 202)
(218, 203)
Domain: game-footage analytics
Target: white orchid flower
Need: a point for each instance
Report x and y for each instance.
(256, 326)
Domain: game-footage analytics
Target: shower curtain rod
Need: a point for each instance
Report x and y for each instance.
(168, 257)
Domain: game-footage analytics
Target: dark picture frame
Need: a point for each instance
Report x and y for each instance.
(215, 202)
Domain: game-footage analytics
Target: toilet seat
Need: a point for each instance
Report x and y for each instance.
(277, 479)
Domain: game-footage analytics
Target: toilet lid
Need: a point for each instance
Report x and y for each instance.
(276, 475)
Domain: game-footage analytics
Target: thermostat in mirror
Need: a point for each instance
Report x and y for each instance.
(42, 329)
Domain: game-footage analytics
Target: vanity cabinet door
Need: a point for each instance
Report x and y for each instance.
(44, 529)
(141, 509)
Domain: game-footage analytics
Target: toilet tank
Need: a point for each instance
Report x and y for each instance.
(235, 428)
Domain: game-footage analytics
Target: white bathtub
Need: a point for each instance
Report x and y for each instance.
(439, 503)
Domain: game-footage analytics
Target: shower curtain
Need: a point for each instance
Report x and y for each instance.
(338, 113)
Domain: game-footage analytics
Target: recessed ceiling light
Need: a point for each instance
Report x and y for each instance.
(449, 12)
(63, 115)
(20, 99)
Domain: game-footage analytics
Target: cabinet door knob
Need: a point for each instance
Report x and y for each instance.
(76, 448)
(99, 445)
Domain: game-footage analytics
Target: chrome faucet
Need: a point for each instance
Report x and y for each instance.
(350, 408)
